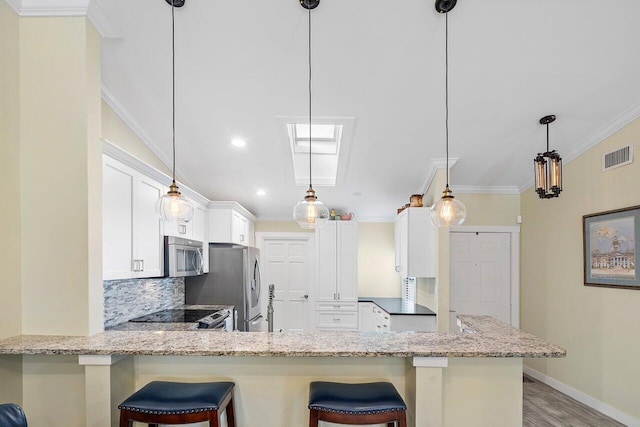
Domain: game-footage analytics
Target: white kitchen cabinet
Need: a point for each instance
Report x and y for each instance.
(230, 223)
(373, 318)
(337, 276)
(415, 240)
(132, 229)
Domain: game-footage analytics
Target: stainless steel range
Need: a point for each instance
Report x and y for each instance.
(205, 318)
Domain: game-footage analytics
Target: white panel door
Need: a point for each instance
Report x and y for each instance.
(287, 265)
(480, 275)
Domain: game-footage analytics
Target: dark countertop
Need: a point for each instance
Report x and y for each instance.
(394, 306)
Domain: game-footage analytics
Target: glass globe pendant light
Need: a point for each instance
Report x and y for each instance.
(447, 211)
(310, 212)
(173, 206)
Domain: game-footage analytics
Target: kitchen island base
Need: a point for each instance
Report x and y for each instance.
(465, 391)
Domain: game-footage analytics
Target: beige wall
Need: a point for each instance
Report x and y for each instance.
(376, 255)
(376, 261)
(118, 133)
(599, 327)
(10, 260)
(59, 124)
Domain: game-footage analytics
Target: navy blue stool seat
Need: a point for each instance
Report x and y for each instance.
(163, 402)
(356, 404)
(11, 415)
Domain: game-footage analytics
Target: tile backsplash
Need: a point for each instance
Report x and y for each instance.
(129, 298)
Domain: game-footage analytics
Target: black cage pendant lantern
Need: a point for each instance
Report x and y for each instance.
(548, 168)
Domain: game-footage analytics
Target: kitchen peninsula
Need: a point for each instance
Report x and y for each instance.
(479, 369)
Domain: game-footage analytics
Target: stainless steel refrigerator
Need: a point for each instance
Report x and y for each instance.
(234, 278)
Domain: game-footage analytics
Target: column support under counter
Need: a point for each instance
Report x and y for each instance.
(428, 397)
(108, 381)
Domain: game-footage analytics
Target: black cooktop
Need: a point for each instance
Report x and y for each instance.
(175, 315)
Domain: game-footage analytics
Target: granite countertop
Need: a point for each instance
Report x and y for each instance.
(484, 336)
(395, 306)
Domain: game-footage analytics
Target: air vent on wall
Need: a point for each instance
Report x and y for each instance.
(615, 159)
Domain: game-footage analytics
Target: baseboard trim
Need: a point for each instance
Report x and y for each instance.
(581, 397)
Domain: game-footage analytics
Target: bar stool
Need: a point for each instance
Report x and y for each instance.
(162, 402)
(356, 404)
(11, 415)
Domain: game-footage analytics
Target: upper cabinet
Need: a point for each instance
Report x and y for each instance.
(133, 232)
(132, 229)
(415, 243)
(229, 222)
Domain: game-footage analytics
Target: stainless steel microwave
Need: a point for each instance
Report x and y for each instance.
(182, 257)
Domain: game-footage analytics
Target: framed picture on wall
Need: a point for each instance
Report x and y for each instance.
(610, 248)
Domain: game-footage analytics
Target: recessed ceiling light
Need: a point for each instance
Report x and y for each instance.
(261, 193)
(237, 142)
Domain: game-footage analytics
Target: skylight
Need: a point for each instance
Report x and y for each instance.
(325, 138)
(329, 144)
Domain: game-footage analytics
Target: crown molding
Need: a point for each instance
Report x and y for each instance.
(123, 113)
(485, 189)
(225, 204)
(50, 7)
(432, 168)
(99, 20)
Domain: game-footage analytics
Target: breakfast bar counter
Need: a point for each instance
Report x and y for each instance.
(483, 336)
(437, 373)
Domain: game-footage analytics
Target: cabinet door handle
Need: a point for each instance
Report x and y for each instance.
(336, 320)
(141, 265)
(305, 296)
(242, 237)
(338, 296)
(182, 229)
(134, 265)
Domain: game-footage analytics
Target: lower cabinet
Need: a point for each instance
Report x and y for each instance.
(333, 316)
(373, 318)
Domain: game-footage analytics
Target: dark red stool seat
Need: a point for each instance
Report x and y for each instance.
(163, 402)
(356, 404)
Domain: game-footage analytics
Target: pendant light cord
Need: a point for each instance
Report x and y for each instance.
(309, 12)
(173, 87)
(446, 88)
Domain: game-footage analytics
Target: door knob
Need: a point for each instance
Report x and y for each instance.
(305, 296)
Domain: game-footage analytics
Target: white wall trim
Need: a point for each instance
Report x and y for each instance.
(112, 150)
(581, 397)
(261, 236)
(127, 118)
(222, 204)
(99, 20)
(430, 362)
(50, 7)
(478, 189)
(432, 168)
(99, 359)
(514, 232)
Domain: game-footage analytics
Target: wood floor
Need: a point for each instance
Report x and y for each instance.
(545, 406)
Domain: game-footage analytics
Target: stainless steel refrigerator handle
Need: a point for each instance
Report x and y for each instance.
(256, 267)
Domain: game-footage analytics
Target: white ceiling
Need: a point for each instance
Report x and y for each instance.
(240, 65)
